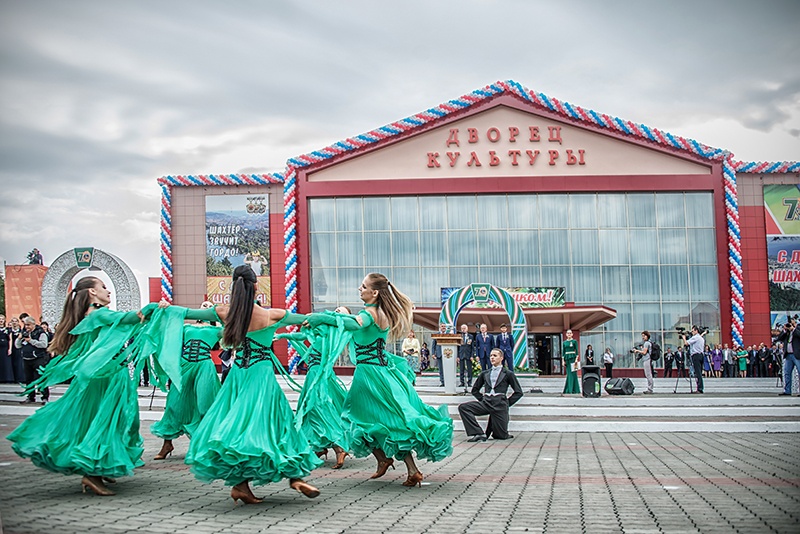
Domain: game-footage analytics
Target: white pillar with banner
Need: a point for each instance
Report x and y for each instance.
(449, 344)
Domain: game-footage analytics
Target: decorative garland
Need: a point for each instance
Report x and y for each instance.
(167, 183)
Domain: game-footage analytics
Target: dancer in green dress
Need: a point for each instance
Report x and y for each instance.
(569, 351)
(248, 434)
(383, 415)
(93, 429)
(319, 407)
(186, 406)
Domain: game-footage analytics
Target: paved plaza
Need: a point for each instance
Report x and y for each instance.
(558, 481)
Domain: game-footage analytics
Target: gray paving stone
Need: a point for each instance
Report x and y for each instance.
(553, 482)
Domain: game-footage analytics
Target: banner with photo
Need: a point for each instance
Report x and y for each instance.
(782, 214)
(526, 297)
(237, 232)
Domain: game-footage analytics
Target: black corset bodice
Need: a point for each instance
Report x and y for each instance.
(251, 353)
(195, 350)
(371, 354)
(124, 356)
(314, 357)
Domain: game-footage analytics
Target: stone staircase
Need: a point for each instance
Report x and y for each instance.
(728, 405)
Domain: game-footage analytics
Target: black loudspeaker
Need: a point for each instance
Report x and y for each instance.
(590, 383)
(619, 386)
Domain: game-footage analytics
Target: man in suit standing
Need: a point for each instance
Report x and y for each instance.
(505, 342)
(493, 401)
(465, 353)
(727, 362)
(485, 344)
(436, 352)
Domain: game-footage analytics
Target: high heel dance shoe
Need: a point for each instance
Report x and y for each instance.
(303, 487)
(414, 480)
(340, 456)
(323, 454)
(96, 485)
(244, 495)
(166, 450)
(383, 467)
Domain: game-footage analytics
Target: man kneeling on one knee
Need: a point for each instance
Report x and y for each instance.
(491, 390)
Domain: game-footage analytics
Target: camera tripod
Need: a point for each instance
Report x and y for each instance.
(689, 378)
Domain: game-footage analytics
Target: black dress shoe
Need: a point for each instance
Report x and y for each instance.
(783, 394)
(479, 437)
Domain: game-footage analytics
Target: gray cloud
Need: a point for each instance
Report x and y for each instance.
(97, 100)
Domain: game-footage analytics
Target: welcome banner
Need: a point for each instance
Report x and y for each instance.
(526, 297)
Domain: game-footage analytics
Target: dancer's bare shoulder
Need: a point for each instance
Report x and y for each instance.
(222, 311)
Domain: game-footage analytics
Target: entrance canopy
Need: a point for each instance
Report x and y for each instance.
(540, 320)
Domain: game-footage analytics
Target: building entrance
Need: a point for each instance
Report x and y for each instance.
(546, 351)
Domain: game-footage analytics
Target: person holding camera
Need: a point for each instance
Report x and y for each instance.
(32, 342)
(696, 344)
(791, 344)
(643, 355)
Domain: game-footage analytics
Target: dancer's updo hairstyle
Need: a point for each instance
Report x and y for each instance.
(240, 311)
(393, 303)
(75, 308)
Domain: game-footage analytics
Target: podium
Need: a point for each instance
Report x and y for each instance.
(449, 344)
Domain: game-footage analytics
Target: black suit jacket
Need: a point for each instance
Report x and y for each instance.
(484, 347)
(465, 350)
(506, 379)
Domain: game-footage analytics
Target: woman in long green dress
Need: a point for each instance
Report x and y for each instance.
(383, 415)
(319, 407)
(185, 407)
(93, 429)
(569, 351)
(248, 434)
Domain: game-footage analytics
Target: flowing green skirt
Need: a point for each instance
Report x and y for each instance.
(248, 434)
(322, 421)
(186, 407)
(571, 385)
(383, 411)
(93, 429)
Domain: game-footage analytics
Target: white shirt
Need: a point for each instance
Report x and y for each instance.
(696, 344)
(608, 357)
(493, 376)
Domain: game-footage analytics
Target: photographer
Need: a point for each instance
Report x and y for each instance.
(32, 342)
(696, 344)
(643, 354)
(791, 343)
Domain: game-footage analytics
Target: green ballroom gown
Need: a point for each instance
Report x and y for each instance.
(319, 407)
(383, 411)
(93, 429)
(249, 434)
(186, 406)
(569, 350)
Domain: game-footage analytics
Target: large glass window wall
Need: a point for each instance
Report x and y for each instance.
(650, 256)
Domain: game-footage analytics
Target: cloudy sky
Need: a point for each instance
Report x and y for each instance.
(100, 98)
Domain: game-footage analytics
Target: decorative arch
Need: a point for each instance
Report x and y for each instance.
(482, 293)
(60, 273)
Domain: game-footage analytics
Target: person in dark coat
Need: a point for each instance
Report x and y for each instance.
(465, 354)
(491, 392)
(505, 342)
(485, 344)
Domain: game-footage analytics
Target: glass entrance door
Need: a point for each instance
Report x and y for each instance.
(544, 352)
